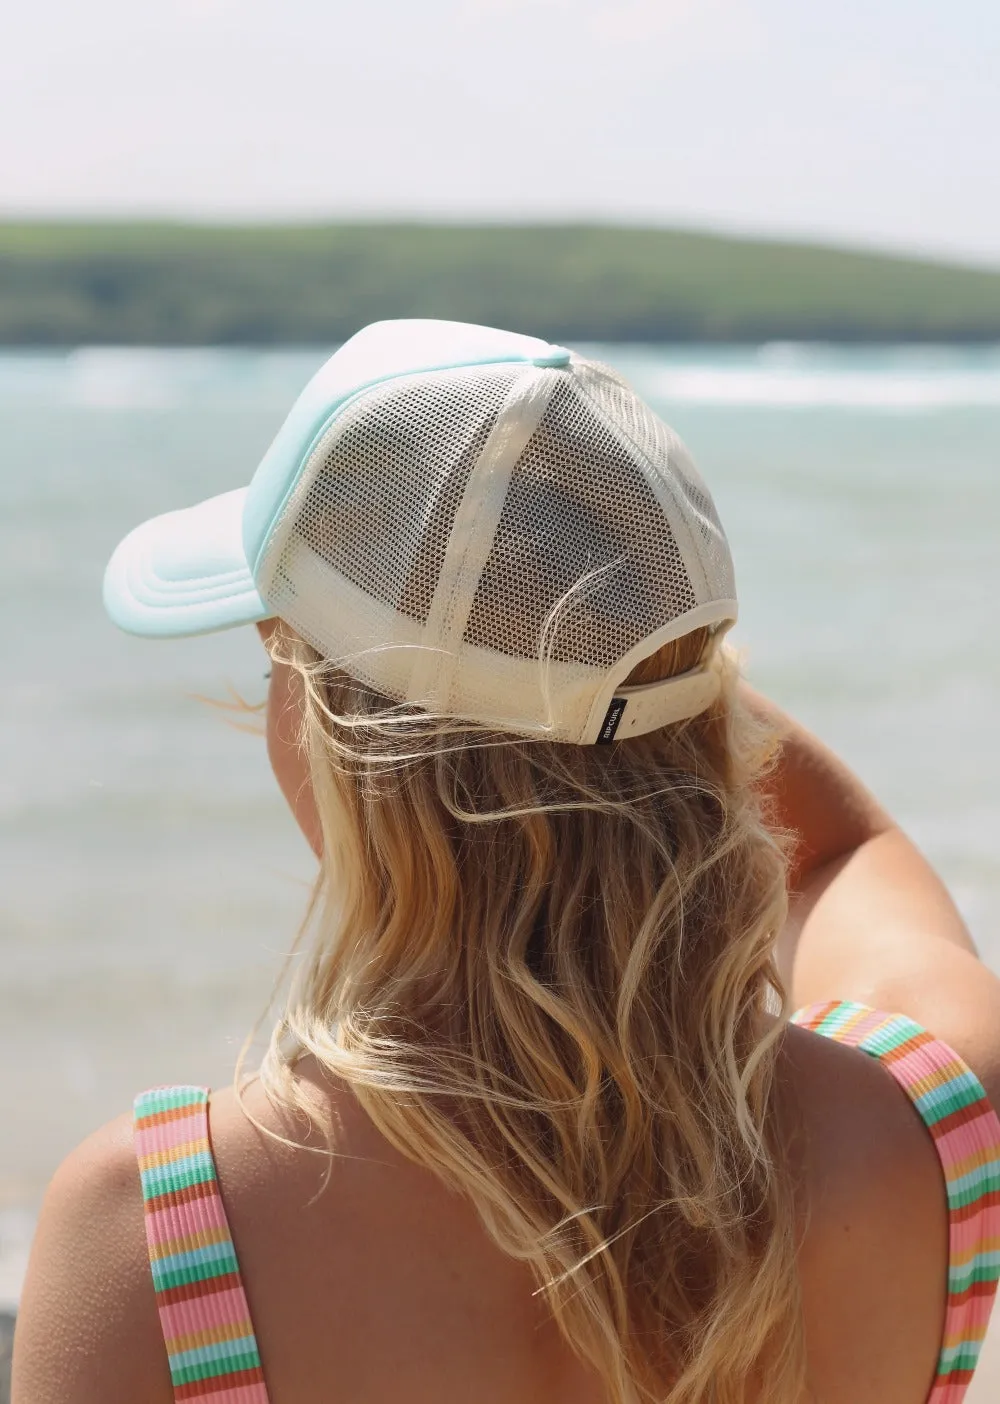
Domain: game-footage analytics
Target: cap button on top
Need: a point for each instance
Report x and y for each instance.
(554, 356)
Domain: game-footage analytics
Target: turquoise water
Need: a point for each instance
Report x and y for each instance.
(152, 879)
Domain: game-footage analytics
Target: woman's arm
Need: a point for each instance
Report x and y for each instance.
(869, 919)
(843, 833)
(847, 847)
(815, 795)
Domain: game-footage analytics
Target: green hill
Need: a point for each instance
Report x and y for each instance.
(65, 284)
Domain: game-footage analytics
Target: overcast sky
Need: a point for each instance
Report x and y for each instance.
(865, 121)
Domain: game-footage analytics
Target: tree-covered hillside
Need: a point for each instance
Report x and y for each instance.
(65, 284)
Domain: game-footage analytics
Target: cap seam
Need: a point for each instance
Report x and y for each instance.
(471, 536)
(334, 414)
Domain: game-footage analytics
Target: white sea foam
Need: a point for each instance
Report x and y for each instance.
(781, 375)
(813, 388)
(110, 378)
(121, 378)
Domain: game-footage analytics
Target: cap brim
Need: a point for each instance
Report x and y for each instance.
(185, 573)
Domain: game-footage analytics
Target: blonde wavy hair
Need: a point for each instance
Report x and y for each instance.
(546, 973)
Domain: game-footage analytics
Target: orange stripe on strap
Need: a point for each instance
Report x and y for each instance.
(209, 1335)
(909, 1045)
(161, 1118)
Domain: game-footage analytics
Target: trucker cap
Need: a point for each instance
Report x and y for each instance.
(481, 524)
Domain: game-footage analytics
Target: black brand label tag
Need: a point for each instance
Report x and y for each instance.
(611, 721)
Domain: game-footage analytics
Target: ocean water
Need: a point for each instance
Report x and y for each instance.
(152, 880)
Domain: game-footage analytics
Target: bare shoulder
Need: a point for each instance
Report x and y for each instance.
(874, 1258)
(314, 1203)
(368, 1278)
(286, 1156)
(87, 1327)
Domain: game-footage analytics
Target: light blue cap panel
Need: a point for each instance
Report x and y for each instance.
(192, 572)
(184, 573)
(381, 351)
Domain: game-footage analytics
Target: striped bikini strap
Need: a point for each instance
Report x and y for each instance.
(203, 1309)
(954, 1107)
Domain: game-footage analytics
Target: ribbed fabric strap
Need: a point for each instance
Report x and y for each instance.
(203, 1309)
(966, 1132)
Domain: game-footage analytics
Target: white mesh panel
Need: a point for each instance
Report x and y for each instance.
(580, 525)
(667, 455)
(373, 510)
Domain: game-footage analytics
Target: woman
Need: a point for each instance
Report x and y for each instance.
(535, 1125)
